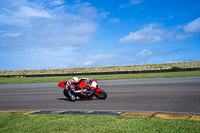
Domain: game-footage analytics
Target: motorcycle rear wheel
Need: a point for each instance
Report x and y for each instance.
(102, 94)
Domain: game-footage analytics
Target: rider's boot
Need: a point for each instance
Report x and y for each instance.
(72, 96)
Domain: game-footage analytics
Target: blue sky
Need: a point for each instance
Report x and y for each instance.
(92, 33)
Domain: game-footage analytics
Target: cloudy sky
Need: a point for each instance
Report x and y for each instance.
(54, 34)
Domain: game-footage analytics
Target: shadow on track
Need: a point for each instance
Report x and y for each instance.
(82, 99)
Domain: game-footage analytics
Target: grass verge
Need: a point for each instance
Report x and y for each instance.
(100, 77)
(92, 123)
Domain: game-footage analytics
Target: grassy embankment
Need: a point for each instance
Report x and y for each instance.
(18, 79)
(92, 124)
(195, 64)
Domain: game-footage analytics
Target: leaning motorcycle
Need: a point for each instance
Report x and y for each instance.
(87, 88)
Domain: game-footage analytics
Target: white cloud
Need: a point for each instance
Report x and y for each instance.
(144, 53)
(183, 36)
(26, 11)
(77, 1)
(8, 34)
(39, 57)
(135, 2)
(41, 23)
(190, 30)
(84, 28)
(193, 27)
(88, 63)
(58, 2)
(122, 6)
(155, 33)
(99, 59)
(132, 2)
(114, 20)
(170, 16)
(101, 56)
(152, 33)
(89, 60)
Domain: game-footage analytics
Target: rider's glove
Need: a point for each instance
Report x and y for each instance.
(83, 90)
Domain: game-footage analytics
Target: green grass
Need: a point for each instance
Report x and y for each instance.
(11, 123)
(100, 77)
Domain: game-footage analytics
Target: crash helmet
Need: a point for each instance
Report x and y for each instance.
(75, 80)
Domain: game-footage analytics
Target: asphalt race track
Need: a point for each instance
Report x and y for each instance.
(160, 94)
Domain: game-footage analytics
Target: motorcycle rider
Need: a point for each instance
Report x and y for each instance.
(70, 85)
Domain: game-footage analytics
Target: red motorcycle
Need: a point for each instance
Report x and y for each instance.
(86, 88)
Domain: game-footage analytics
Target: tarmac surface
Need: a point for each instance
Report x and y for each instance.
(165, 96)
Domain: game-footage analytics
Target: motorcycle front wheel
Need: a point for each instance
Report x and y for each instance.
(101, 94)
